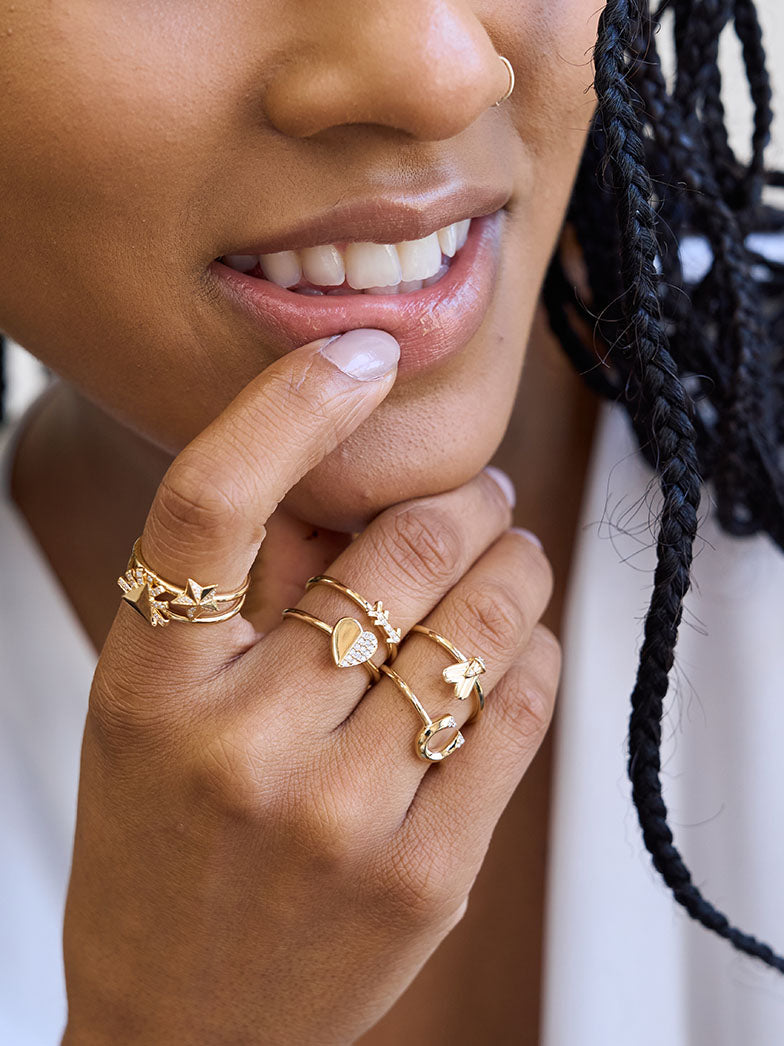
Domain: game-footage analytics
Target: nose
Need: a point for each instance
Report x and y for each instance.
(426, 67)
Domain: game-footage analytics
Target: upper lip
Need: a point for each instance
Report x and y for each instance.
(387, 219)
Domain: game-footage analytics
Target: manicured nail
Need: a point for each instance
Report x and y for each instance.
(528, 536)
(363, 354)
(504, 482)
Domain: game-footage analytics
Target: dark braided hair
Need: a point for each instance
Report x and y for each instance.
(698, 365)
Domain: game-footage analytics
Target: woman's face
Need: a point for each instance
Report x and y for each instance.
(144, 140)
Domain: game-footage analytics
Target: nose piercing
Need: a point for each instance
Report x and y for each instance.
(510, 88)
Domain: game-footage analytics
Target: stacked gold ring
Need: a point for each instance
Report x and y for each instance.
(375, 611)
(351, 644)
(159, 601)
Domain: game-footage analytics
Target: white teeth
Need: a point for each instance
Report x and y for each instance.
(447, 238)
(241, 262)
(378, 268)
(323, 265)
(281, 268)
(442, 270)
(419, 258)
(381, 290)
(372, 265)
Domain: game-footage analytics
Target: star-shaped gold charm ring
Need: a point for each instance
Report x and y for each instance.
(196, 599)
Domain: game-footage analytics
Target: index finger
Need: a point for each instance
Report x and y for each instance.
(207, 518)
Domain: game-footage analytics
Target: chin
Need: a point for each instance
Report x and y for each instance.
(358, 480)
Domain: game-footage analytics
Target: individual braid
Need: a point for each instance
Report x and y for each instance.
(749, 33)
(697, 181)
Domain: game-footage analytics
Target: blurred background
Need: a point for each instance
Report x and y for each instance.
(25, 376)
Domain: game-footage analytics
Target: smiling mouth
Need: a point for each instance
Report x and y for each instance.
(430, 293)
(358, 268)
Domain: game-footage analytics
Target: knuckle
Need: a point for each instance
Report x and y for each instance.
(189, 502)
(232, 776)
(328, 824)
(492, 613)
(528, 701)
(425, 544)
(418, 891)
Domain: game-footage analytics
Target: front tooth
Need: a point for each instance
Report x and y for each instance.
(241, 262)
(323, 265)
(419, 258)
(410, 285)
(282, 268)
(462, 232)
(448, 239)
(372, 265)
(442, 271)
(382, 290)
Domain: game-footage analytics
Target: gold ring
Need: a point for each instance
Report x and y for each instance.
(464, 674)
(510, 88)
(375, 611)
(194, 604)
(431, 727)
(350, 643)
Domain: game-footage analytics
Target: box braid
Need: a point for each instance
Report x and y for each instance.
(697, 366)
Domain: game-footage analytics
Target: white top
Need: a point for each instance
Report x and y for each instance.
(624, 965)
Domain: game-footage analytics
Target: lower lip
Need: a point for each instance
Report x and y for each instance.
(431, 324)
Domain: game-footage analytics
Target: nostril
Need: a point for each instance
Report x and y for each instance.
(429, 72)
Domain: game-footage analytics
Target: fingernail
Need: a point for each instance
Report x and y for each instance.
(528, 536)
(363, 354)
(504, 482)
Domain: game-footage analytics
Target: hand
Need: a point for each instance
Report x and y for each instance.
(260, 855)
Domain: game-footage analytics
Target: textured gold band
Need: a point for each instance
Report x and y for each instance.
(375, 611)
(159, 601)
(431, 727)
(510, 88)
(463, 674)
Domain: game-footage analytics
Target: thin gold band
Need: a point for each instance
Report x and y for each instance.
(309, 619)
(224, 597)
(431, 727)
(375, 611)
(463, 665)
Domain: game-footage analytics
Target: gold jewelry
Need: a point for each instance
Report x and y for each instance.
(375, 611)
(463, 674)
(194, 604)
(431, 727)
(350, 645)
(510, 88)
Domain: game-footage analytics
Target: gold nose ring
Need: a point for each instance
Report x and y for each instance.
(510, 88)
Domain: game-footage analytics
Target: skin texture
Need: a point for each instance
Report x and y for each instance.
(158, 140)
